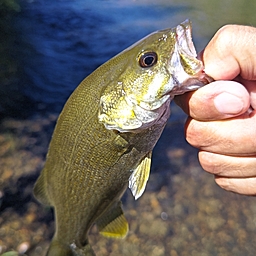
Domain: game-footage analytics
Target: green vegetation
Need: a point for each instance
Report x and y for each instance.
(9, 5)
(11, 253)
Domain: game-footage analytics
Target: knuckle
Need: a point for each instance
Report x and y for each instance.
(223, 183)
(192, 133)
(201, 135)
(209, 163)
(223, 38)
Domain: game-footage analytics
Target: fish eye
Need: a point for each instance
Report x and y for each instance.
(148, 59)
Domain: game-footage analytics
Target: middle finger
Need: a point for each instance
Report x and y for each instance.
(234, 136)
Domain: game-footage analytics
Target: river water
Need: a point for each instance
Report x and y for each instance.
(46, 49)
(55, 44)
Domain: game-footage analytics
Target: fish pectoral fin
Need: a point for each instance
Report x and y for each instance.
(139, 177)
(113, 223)
(40, 191)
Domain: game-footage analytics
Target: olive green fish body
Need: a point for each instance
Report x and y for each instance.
(85, 157)
(105, 134)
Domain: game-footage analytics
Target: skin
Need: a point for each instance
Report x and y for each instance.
(221, 123)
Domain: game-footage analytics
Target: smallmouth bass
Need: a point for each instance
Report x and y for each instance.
(105, 134)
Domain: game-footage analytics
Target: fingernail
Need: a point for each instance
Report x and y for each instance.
(227, 103)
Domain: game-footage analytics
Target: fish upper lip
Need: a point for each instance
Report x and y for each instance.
(184, 80)
(184, 39)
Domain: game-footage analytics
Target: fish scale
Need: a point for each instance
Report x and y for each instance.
(105, 134)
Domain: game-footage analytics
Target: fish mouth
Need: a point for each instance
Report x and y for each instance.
(187, 71)
(191, 84)
(184, 39)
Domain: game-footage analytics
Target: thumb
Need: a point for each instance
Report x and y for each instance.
(215, 101)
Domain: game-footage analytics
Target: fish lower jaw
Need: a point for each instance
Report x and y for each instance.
(192, 83)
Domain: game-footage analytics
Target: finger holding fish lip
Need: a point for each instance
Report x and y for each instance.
(216, 101)
(224, 63)
(222, 116)
(222, 59)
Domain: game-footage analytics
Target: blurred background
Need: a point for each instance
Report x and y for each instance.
(46, 49)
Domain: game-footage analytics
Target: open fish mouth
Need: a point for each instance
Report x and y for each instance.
(184, 40)
(188, 71)
(191, 84)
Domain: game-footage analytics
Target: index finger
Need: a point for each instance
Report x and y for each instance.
(231, 52)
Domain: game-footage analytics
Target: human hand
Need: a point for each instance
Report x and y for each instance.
(222, 119)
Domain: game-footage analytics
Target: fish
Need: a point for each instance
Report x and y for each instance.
(103, 139)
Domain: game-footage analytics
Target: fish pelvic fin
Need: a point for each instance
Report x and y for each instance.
(113, 223)
(139, 177)
(40, 191)
(59, 249)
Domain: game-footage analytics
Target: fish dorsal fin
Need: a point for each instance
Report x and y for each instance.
(40, 191)
(113, 223)
(139, 177)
